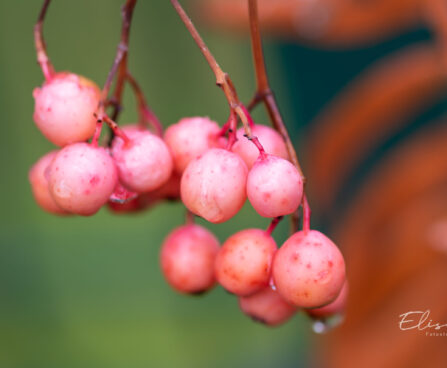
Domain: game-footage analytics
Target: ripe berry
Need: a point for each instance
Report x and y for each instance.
(64, 108)
(335, 307)
(38, 178)
(187, 259)
(308, 270)
(213, 185)
(190, 138)
(144, 163)
(82, 178)
(267, 306)
(274, 186)
(244, 262)
(272, 142)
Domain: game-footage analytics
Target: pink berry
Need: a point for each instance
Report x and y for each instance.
(190, 138)
(144, 163)
(64, 108)
(243, 264)
(267, 306)
(38, 178)
(213, 185)
(308, 270)
(272, 142)
(274, 186)
(187, 259)
(82, 178)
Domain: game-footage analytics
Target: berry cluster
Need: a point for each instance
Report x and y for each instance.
(212, 169)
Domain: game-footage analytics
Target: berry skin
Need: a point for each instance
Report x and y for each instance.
(144, 163)
(64, 108)
(38, 178)
(308, 270)
(244, 262)
(187, 259)
(213, 185)
(267, 306)
(190, 138)
(274, 186)
(335, 307)
(272, 142)
(82, 178)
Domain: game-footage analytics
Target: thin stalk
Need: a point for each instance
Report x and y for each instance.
(39, 41)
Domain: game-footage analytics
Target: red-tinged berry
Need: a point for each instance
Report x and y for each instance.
(64, 108)
(82, 178)
(38, 178)
(308, 270)
(333, 308)
(144, 163)
(267, 306)
(213, 185)
(271, 141)
(190, 138)
(243, 265)
(187, 259)
(274, 186)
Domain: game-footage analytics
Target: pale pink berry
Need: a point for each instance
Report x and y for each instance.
(190, 138)
(213, 185)
(308, 270)
(267, 306)
(144, 163)
(38, 178)
(271, 141)
(274, 186)
(333, 308)
(82, 178)
(64, 108)
(244, 262)
(187, 259)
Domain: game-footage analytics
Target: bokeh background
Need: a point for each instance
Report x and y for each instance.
(88, 292)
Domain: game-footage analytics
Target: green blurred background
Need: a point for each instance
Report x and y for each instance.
(88, 292)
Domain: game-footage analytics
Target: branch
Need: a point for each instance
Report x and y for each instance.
(119, 63)
(222, 78)
(41, 49)
(264, 94)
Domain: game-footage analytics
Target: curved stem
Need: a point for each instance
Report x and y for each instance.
(273, 225)
(222, 79)
(121, 54)
(264, 94)
(41, 49)
(146, 114)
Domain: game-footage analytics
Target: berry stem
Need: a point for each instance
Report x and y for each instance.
(146, 114)
(264, 94)
(222, 79)
(119, 64)
(189, 217)
(306, 214)
(273, 225)
(39, 41)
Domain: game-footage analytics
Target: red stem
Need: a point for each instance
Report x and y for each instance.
(306, 215)
(146, 114)
(264, 94)
(273, 225)
(41, 49)
(222, 79)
